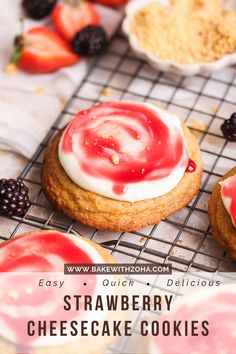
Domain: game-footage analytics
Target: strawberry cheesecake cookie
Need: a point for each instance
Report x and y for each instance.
(192, 327)
(122, 166)
(222, 212)
(33, 317)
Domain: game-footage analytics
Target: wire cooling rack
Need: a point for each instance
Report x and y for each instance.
(202, 102)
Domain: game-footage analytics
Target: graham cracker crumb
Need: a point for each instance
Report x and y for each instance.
(214, 110)
(197, 124)
(115, 159)
(198, 135)
(212, 140)
(181, 256)
(186, 31)
(40, 90)
(142, 239)
(107, 91)
(11, 69)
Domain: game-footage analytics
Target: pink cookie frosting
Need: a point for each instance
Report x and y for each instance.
(125, 150)
(228, 195)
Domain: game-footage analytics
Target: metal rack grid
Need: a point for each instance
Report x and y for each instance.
(183, 239)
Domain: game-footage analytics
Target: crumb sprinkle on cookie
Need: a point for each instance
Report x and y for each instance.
(115, 159)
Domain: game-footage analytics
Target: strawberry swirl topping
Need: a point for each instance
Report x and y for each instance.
(30, 260)
(228, 195)
(124, 150)
(216, 306)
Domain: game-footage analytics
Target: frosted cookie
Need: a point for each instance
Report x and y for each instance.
(193, 327)
(43, 255)
(222, 212)
(122, 166)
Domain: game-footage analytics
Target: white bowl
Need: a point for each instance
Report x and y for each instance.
(168, 65)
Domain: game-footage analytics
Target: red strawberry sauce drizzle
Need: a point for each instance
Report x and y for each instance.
(159, 150)
(46, 253)
(191, 166)
(229, 191)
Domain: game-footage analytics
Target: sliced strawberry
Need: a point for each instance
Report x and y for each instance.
(45, 51)
(68, 19)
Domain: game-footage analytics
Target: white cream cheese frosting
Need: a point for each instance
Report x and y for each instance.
(126, 151)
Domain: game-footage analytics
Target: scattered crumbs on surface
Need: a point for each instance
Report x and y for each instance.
(151, 301)
(172, 253)
(63, 101)
(40, 90)
(145, 318)
(69, 117)
(197, 124)
(214, 110)
(142, 239)
(179, 241)
(212, 140)
(115, 159)
(181, 256)
(197, 134)
(106, 91)
(11, 69)
(159, 104)
(2, 153)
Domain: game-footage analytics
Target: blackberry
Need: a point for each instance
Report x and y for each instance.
(229, 128)
(90, 41)
(38, 9)
(14, 199)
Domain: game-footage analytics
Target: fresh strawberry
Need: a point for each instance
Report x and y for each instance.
(111, 2)
(41, 50)
(68, 19)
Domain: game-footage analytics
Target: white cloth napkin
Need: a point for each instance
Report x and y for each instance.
(26, 115)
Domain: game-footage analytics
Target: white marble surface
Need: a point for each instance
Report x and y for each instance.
(11, 164)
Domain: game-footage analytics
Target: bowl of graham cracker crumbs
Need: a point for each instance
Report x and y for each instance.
(186, 37)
